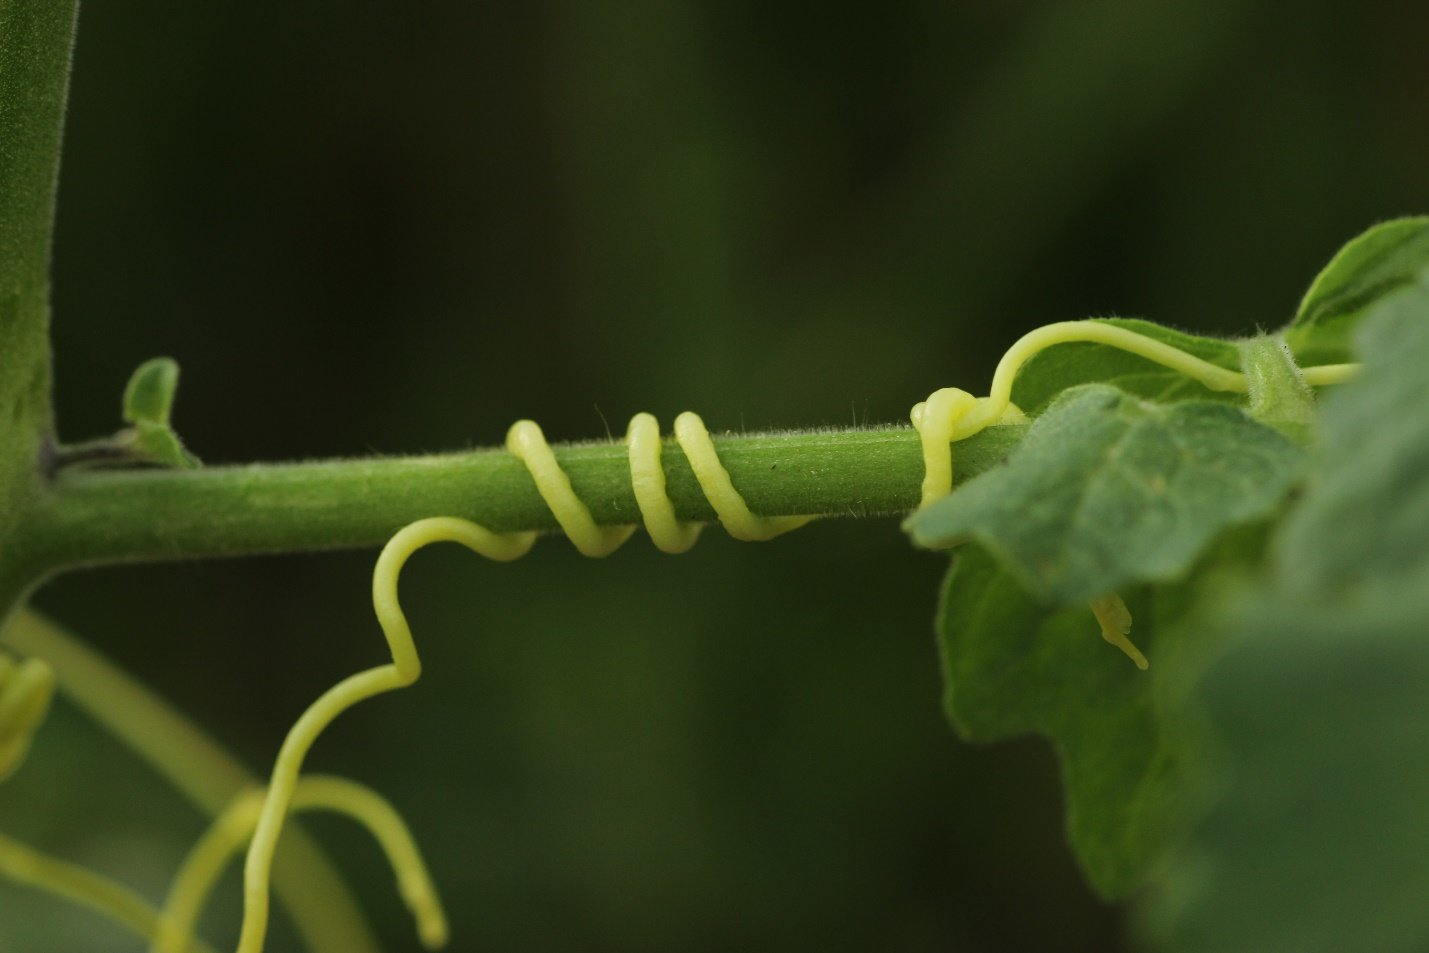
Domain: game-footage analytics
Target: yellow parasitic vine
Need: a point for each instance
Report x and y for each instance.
(257, 816)
(948, 415)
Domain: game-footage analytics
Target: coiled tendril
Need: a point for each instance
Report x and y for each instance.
(948, 415)
(257, 816)
(526, 441)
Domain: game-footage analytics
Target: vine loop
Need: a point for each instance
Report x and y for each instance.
(948, 415)
(647, 479)
(644, 449)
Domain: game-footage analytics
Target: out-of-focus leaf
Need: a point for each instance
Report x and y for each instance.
(1375, 264)
(1318, 832)
(1366, 517)
(1012, 667)
(1318, 843)
(1107, 491)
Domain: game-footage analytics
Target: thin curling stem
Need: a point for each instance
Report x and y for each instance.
(1327, 374)
(1096, 332)
(950, 414)
(204, 864)
(84, 887)
(372, 811)
(201, 868)
(405, 668)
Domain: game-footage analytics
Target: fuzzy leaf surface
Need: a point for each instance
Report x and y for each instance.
(1107, 491)
(1366, 517)
(1317, 835)
(148, 404)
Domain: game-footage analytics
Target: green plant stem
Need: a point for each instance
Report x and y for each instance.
(323, 909)
(36, 37)
(99, 517)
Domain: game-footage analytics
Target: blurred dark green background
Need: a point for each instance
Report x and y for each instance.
(386, 228)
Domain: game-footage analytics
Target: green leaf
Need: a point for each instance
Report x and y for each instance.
(1014, 667)
(1318, 832)
(149, 395)
(159, 445)
(1373, 265)
(1319, 842)
(148, 401)
(1106, 491)
(1366, 517)
(1068, 365)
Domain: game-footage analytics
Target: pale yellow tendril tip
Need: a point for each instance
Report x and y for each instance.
(1115, 620)
(26, 690)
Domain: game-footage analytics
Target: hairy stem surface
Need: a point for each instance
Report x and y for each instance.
(144, 515)
(36, 37)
